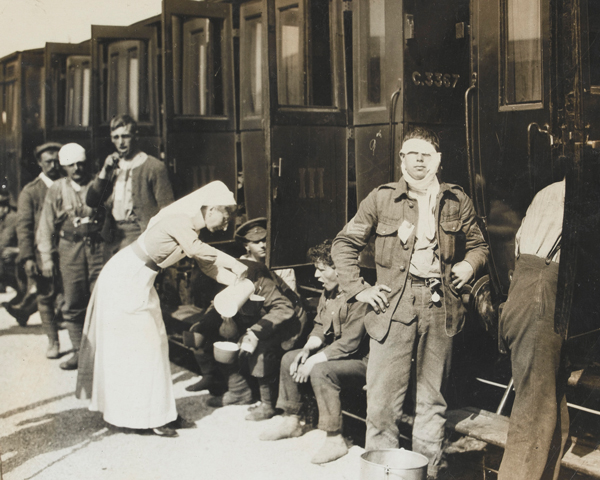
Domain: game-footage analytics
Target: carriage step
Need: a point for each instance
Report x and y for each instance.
(582, 456)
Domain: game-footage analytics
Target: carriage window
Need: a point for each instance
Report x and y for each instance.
(304, 53)
(251, 56)
(372, 26)
(594, 45)
(202, 76)
(10, 111)
(78, 91)
(522, 52)
(128, 81)
(11, 99)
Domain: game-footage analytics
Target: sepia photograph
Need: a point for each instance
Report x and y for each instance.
(299, 239)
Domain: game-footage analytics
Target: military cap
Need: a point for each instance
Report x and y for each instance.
(46, 146)
(253, 230)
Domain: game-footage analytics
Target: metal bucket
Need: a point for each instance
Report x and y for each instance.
(393, 464)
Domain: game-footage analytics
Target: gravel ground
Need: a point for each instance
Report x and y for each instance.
(47, 434)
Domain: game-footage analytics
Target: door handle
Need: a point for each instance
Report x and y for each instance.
(470, 163)
(276, 166)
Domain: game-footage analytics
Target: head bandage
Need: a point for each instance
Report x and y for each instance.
(71, 153)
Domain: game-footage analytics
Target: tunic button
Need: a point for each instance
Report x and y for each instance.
(411, 205)
(402, 268)
(405, 247)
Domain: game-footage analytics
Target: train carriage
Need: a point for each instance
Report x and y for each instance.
(307, 101)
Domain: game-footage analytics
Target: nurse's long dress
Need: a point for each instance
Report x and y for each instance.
(124, 358)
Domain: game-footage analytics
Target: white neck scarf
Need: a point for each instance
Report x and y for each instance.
(47, 180)
(425, 190)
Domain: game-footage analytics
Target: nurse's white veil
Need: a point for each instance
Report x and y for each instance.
(213, 194)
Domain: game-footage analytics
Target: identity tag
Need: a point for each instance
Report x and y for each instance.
(405, 230)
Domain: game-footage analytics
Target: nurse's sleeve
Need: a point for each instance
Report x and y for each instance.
(216, 264)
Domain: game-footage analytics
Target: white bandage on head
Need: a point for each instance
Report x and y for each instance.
(71, 153)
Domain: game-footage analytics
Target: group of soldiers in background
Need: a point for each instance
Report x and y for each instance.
(427, 247)
(69, 223)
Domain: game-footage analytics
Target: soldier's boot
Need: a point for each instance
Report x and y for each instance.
(266, 409)
(334, 447)
(288, 427)
(208, 370)
(28, 304)
(238, 392)
(51, 330)
(75, 334)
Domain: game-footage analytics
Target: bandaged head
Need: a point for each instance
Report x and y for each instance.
(410, 152)
(71, 153)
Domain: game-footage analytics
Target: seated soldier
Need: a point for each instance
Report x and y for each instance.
(334, 357)
(253, 235)
(272, 327)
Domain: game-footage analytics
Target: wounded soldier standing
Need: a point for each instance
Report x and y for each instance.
(427, 246)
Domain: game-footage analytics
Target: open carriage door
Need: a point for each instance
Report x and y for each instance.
(510, 118)
(124, 81)
(305, 123)
(68, 69)
(199, 121)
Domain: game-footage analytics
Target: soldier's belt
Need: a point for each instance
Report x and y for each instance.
(80, 234)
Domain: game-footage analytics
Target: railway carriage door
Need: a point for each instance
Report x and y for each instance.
(124, 81)
(68, 69)
(21, 117)
(199, 123)
(253, 108)
(304, 117)
(378, 70)
(510, 111)
(10, 131)
(436, 71)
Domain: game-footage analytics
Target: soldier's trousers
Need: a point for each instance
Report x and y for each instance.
(539, 421)
(80, 264)
(389, 371)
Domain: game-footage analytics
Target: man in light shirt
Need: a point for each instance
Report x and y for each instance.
(31, 201)
(69, 226)
(132, 185)
(539, 421)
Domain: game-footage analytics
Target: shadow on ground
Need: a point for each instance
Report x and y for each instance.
(18, 330)
(194, 408)
(51, 432)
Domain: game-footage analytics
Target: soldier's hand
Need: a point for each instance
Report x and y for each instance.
(111, 162)
(461, 273)
(31, 268)
(48, 272)
(375, 297)
(303, 373)
(299, 360)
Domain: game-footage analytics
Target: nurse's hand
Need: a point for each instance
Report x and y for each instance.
(240, 271)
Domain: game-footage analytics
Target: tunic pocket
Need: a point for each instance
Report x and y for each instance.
(450, 231)
(386, 237)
